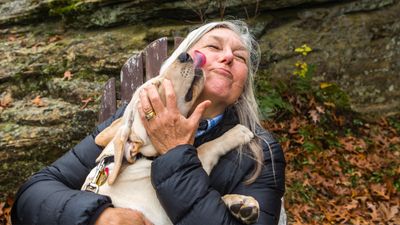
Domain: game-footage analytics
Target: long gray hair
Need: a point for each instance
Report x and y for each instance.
(246, 106)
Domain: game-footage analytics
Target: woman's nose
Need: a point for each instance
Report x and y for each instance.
(226, 56)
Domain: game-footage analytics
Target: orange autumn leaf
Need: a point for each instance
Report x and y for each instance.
(67, 75)
(388, 212)
(12, 38)
(294, 125)
(6, 100)
(86, 102)
(314, 116)
(374, 212)
(380, 191)
(5, 211)
(2, 204)
(54, 38)
(38, 101)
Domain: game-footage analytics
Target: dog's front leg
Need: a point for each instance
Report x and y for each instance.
(210, 152)
(244, 208)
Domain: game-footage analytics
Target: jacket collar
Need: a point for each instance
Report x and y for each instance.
(229, 120)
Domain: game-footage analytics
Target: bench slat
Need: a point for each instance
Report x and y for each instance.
(108, 104)
(132, 76)
(155, 54)
(134, 73)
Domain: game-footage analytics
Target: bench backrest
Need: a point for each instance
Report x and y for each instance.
(136, 70)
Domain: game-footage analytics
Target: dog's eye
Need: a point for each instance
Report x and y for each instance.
(184, 57)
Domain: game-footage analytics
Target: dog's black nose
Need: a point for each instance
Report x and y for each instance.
(184, 57)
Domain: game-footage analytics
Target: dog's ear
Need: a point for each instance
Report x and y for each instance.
(107, 134)
(118, 142)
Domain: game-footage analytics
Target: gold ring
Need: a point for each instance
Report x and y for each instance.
(149, 115)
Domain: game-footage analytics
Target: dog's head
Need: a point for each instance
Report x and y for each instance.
(187, 78)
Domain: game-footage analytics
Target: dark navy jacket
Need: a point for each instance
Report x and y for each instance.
(188, 194)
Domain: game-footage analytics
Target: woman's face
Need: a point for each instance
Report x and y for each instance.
(225, 68)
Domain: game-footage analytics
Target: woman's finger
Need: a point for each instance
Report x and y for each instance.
(144, 102)
(198, 112)
(154, 98)
(170, 97)
(142, 114)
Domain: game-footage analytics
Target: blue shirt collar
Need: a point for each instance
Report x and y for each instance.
(211, 123)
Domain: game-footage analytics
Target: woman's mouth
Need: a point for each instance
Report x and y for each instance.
(224, 72)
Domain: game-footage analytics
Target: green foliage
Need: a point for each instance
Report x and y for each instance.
(333, 94)
(395, 122)
(305, 192)
(63, 7)
(286, 97)
(269, 97)
(396, 184)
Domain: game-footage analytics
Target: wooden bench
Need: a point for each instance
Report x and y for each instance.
(136, 70)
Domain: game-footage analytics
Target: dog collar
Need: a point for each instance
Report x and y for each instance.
(100, 175)
(139, 156)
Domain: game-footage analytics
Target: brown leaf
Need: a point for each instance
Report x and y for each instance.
(5, 211)
(38, 101)
(2, 204)
(320, 109)
(387, 212)
(54, 38)
(67, 75)
(338, 119)
(352, 205)
(353, 144)
(12, 38)
(86, 101)
(294, 125)
(6, 100)
(380, 190)
(374, 214)
(314, 115)
(330, 104)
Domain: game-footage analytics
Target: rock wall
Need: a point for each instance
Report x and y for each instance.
(64, 51)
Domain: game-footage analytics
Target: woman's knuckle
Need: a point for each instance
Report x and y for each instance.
(171, 95)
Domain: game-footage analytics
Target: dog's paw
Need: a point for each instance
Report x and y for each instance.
(244, 208)
(241, 134)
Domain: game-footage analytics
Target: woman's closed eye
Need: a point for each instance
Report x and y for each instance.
(241, 58)
(213, 46)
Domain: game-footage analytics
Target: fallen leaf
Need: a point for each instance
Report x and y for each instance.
(324, 85)
(1, 208)
(352, 205)
(38, 101)
(387, 211)
(320, 109)
(374, 214)
(6, 99)
(314, 116)
(54, 38)
(330, 104)
(12, 38)
(294, 125)
(380, 190)
(67, 75)
(86, 101)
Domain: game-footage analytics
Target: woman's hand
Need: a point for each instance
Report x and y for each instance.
(122, 216)
(168, 128)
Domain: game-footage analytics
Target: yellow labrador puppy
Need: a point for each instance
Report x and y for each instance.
(128, 182)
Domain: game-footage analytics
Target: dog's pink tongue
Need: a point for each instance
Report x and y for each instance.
(199, 59)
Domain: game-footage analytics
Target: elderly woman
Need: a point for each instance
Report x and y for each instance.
(186, 192)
